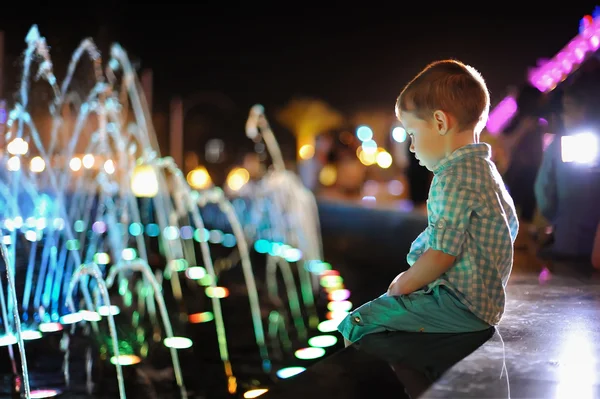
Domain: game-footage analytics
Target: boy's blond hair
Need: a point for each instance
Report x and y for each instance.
(452, 87)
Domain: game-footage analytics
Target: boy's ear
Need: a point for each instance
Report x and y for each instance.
(441, 121)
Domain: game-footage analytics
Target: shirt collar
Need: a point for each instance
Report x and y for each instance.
(482, 150)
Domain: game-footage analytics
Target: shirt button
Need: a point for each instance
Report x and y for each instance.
(441, 224)
(357, 319)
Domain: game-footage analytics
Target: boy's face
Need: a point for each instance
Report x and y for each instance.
(426, 142)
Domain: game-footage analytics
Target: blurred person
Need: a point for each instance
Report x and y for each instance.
(522, 144)
(567, 192)
(350, 173)
(309, 169)
(596, 250)
(461, 263)
(253, 164)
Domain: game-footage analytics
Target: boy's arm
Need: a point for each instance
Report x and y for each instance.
(430, 266)
(453, 204)
(545, 182)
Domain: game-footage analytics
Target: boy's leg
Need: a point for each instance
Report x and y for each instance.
(437, 310)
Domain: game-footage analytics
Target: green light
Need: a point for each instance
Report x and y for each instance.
(331, 281)
(309, 353)
(328, 325)
(206, 280)
(105, 310)
(129, 254)
(201, 235)
(292, 254)
(178, 342)
(289, 372)
(171, 233)
(101, 258)
(323, 341)
(79, 226)
(339, 306)
(6, 340)
(277, 248)
(217, 292)
(89, 315)
(29, 335)
(317, 267)
(49, 327)
(195, 272)
(125, 360)
(201, 317)
(72, 245)
(178, 265)
(71, 318)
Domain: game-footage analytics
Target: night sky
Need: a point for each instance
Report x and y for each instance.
(352, 57)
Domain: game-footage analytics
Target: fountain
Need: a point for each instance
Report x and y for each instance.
(89, 195)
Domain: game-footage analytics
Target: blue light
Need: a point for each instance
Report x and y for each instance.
(364, 133)
(262, 246)
(369, 146)
(399, 134)
(289, 372)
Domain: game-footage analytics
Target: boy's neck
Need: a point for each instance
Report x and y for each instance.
(456, 140)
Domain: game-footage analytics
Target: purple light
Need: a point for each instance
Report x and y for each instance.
(99, 227)
(547, 76)
(544, 275)
(501, 115)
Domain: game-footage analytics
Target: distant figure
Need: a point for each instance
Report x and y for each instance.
(309, 169)
(523, 147)
(596, 250)
(567, 193)
(462, 261)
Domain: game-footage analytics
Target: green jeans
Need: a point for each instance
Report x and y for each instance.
(437, 310)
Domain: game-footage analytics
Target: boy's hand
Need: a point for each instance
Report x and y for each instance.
(394, 288)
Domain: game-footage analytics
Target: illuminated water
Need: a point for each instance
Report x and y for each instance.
(85, 192)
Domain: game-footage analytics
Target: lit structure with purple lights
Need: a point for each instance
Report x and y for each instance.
(549, 74)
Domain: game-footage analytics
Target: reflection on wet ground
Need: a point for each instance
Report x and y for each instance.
(397, 363)
(547, 346)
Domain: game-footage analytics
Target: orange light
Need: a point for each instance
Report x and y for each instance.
(201, 317)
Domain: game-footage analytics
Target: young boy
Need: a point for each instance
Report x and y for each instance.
(462, 261)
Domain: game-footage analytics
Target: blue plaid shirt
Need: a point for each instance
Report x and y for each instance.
(471, 216)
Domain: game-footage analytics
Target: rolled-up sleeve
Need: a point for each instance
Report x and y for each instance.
(453, 206)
